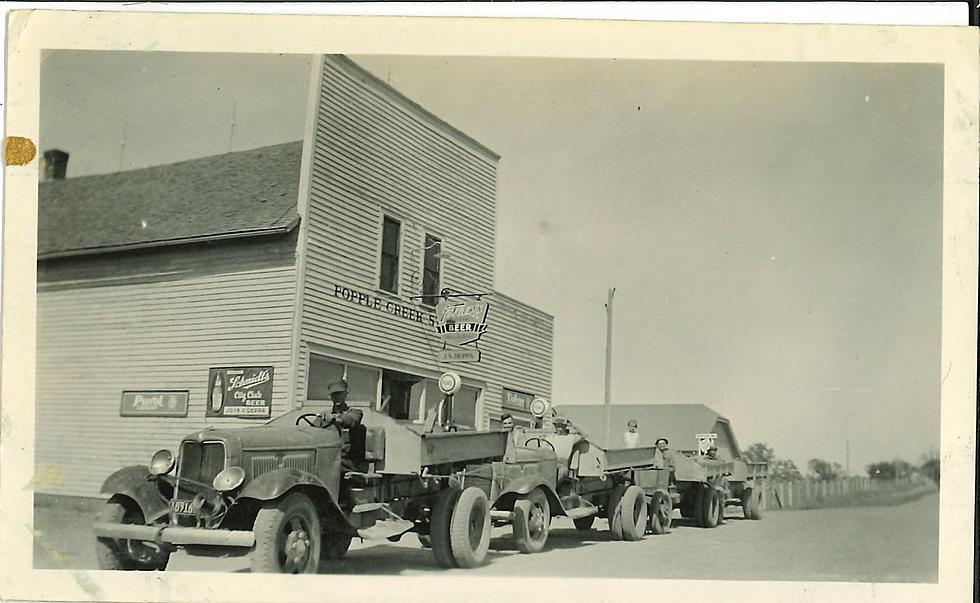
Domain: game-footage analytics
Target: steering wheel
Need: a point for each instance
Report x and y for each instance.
(306, 417)
(539, 442)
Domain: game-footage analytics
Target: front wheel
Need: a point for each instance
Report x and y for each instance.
(532, 521)
(469, 529)
(127, 554)
(710, 508)
(661, 513)
(287, 536)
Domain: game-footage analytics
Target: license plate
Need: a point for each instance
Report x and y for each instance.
(182, 506)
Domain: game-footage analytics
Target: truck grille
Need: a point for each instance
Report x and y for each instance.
(201, 462)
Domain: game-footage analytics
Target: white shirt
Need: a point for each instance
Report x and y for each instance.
(631, 438)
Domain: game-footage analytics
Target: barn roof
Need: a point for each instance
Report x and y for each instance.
(243, 193)
(676, 422)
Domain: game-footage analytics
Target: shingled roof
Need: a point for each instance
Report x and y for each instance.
(676, 422)
(235, 194)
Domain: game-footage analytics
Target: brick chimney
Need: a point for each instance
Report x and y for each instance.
(55, 165)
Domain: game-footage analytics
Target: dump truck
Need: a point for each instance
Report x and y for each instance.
(281, 493)
(546, 474)
(703, 487)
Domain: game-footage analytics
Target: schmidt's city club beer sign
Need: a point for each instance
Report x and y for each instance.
(244, 392)
(458, 322)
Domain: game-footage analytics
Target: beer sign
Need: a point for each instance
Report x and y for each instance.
(244, 392)
(166, 403)
(461, 322)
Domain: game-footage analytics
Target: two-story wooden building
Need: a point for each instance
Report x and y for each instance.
(238, 286)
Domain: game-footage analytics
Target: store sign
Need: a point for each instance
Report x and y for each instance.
(244, 392)
(459, 355)
(383, 305)
(705, 441)
(154, 404)
(461, 322)
(519, 400)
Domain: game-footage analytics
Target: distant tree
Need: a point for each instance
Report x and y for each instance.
(784, 470)
(882, 470)
(824, 470)
(779, 469)
(930, 465)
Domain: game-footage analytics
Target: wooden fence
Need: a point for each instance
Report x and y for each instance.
(789, 495)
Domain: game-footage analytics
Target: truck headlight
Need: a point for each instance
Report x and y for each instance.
(162, 462)
(229, 479)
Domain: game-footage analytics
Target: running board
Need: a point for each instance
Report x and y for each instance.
(385, 528)
(585, 510)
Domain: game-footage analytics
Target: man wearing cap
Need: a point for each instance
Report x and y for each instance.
(662, 457)
(343, 416)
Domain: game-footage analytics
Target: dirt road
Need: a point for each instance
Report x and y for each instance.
(869, 544)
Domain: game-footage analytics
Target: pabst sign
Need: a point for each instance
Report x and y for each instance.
(461, 322)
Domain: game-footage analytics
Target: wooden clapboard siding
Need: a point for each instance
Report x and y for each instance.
(375, 153)
(153, 332)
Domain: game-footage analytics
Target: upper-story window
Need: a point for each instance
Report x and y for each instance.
(432, 270)
(390, 246)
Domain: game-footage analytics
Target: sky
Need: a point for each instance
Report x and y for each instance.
(773, 230)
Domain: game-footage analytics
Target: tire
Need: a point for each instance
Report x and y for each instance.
(699, 506)
(661, 512)
(127, 554)
(612, 511)
(334, 546)
(425, 540)
(442, 514)
(469, 529)
(708, 508)
(747, 494)
(631, 515)
(287, 536)
(532, 521)
(722, 497)
(584, 524)
(756, 504)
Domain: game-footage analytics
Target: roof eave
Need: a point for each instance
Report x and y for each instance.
(239, 234)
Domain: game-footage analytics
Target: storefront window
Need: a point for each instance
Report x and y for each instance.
(323, 372)
(464, 407)
(362, 385)
(398, 388)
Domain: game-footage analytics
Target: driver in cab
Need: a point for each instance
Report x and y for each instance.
(345, 417)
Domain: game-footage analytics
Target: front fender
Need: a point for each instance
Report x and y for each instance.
(137, 483)
(524, 485)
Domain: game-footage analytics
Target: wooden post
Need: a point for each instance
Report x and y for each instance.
(608, 392)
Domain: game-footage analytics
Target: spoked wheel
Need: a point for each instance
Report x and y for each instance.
(661, 513)
(532, 521)
(287, 536)
(127, 554)
(628, 516)
(469, 530)
(334, 546)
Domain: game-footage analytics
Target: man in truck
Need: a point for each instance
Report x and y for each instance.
(349, 419)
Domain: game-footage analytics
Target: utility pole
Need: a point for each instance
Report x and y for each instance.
(608, 392)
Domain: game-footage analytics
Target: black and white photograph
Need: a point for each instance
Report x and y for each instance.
(494, 315)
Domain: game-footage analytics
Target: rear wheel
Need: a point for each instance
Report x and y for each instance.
(747, 503)
(334, 546)
(708, 509)
(287, 536)
(532, 521)
(469, 530)
(661, 512)
(584, 523)
(612, 511)
(442, 514)
(127, 554)
(630, 515)
(756, 504)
